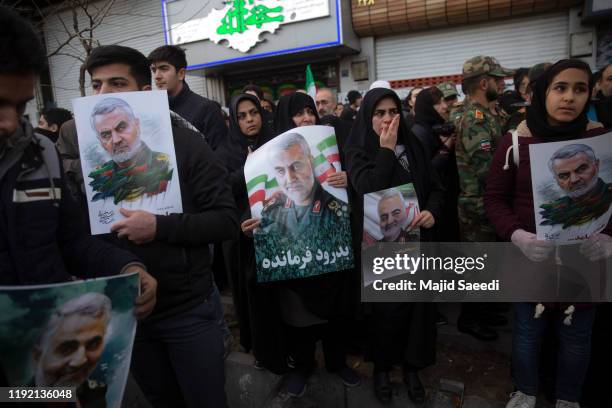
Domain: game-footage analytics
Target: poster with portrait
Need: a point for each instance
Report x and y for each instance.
(127, 156)
(572, 188)
(77, 334)
(387, 215)
(304, 225)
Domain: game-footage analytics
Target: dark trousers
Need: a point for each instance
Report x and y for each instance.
(472, 312)
(303, 342)
(595, 391)
(573, 355)
(178, 361)
(402, 333)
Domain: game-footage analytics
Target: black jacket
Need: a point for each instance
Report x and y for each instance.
(42, 237)
(603, 107)
(373, 168)
(348, 114)
(179, 257)
(202, 113)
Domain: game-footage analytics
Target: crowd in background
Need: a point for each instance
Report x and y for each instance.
(454, 152)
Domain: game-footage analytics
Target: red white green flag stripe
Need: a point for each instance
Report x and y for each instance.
(327, 162)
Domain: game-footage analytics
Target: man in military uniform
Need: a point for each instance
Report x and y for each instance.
(478, 132)
(449, 91)
(456, 112)
(302, 216)
(393, 219)
(134, 170)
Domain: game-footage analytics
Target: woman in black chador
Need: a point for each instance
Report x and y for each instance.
(381, 153)
(256, 310)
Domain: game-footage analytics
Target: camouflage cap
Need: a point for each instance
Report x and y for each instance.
(484, 65)
(448, 89)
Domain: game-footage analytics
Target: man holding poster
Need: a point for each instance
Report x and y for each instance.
(174, 244)
(43, 240)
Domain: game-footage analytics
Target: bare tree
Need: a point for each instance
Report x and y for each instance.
(78, 20)
(69, 26)
(94, 12)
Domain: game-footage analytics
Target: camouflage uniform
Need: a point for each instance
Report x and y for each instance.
(478, 132)
(148, 175)
(324, 226)
(448, 89)
(457, 112)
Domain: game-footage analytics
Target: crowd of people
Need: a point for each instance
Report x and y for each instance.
(456, 154)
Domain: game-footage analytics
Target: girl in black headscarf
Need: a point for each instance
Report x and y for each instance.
(295, 110)
(436, 134)
(558, 112)
(381, 153)
(256, 310)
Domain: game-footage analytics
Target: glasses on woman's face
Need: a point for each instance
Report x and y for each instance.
(380, 113)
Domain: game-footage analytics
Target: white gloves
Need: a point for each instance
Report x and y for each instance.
(533, 249)
(597, 247)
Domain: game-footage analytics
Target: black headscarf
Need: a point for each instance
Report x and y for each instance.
(363, 139)
(235, 151)
(289, 106)
(363, 156)
(424, 111)
(536, 112)
(603, 107)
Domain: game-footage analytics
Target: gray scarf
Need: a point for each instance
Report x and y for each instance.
(13, 147)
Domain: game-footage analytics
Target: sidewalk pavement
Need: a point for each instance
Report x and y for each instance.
(249, 387)
(484, 369)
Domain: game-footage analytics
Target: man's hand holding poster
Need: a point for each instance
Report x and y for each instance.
(127, 156)
(78, 334)
(572, 188)
(304, 228)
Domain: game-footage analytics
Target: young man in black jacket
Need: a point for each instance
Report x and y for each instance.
(42, 237)
(169, 64)
(178, 352)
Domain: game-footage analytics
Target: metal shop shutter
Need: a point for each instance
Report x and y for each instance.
(520, 42)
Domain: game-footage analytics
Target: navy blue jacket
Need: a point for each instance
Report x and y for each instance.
(42, 236)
